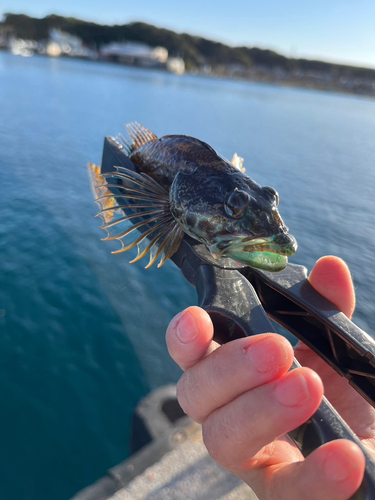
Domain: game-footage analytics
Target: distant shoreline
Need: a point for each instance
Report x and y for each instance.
(288, 84)
(184, 52)
(213, 75)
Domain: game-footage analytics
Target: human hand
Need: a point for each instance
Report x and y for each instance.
(246, 401)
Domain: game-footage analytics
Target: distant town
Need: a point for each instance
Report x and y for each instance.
(143, 45)
(62, 44)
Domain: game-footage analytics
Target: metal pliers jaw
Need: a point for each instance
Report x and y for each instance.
(241, 301)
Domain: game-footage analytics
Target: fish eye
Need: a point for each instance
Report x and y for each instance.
(237, 204)
(274, 193)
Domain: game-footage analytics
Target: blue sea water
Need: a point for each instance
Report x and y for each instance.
(81, 330)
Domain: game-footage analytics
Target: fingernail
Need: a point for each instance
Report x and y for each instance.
(338, 467)
(187, 329)
(292, 390)
(268, 355)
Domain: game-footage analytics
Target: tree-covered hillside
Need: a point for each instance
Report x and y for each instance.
(195, 50)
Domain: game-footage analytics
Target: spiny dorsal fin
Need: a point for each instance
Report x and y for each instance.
(237, 162)
(139, 134)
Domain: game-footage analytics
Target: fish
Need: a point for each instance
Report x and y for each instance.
(183, 186)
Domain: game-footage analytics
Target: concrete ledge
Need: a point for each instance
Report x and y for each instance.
(173, 465)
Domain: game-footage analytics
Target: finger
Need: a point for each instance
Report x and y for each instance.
(236, 432)
(331, 278)
(189, 337)
(332, 472)
(235, 368)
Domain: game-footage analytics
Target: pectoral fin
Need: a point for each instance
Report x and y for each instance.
(145, 210)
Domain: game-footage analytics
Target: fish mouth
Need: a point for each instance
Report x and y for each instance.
(269, 254)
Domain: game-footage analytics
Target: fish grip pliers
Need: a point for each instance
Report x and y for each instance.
(241, 301)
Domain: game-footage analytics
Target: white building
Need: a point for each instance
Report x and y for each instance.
(135, 54)
(61, 43)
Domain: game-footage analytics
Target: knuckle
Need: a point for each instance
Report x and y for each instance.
(234, 441)
(180, 391)
(212, 444)
(187, 388)
(217, 441)
(220, 367)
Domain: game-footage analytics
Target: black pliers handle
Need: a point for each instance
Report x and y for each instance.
(240, 301)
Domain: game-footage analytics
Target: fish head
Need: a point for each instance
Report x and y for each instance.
(233, 216)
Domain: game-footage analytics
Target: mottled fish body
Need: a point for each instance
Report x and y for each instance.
(184, 186)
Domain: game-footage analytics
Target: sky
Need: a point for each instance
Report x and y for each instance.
(332, 30)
